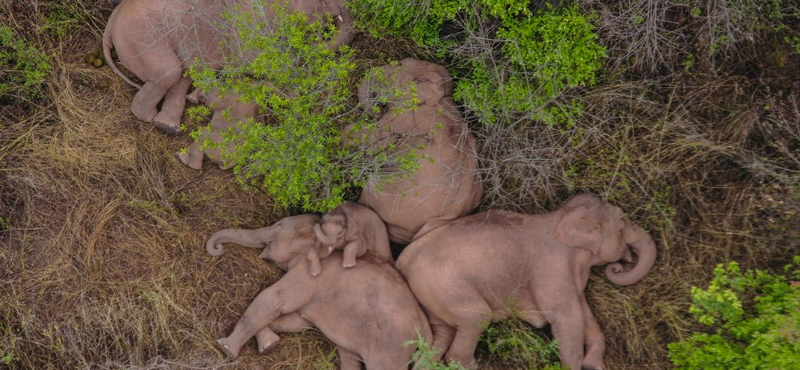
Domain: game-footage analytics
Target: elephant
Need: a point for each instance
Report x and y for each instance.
(158, 39)
(483, 267)
(447, 184)
(367, 311)
(228, 113)
(352, 228)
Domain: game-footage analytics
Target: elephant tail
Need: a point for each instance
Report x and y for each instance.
(107, 46)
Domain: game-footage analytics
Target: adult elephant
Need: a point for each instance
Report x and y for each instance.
(447, 184)
(368, 311)
(480, 268)
(158, 39)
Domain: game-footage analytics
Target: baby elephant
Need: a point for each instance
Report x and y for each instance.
(352, 228)
(368, 311)
(480, 268)
(229, 112)
(447, 184)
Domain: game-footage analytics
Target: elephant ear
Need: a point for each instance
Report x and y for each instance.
(580, 228)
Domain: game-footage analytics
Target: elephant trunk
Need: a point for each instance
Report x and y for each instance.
(644, 247)
(325, 239)
(248, 238)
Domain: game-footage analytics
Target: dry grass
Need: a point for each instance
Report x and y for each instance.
(102, 264)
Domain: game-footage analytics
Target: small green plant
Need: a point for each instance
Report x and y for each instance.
(5, 223)
(423, 356)
(22, 66)
(753, 320)
(60, 19)
(325, 361)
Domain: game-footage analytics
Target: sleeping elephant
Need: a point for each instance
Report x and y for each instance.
(481, 267)
(352, 228)
(158, 39)
(368, 311)
(447, 184)
(228, 113)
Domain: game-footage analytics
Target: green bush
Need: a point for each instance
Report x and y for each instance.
(22, 66)
(287, 69)
(753, 320)
(523, 67)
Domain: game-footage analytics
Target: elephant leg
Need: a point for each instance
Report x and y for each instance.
(469, 327)
(192, 158)
(314, 267)
(290, 323)
(442, 336)
(194, 96)
(561, 307)
(593, 339)
(169, 119)
(287, 295)
(351, 252)
(349, 359)
(462, 350)
(145, 101)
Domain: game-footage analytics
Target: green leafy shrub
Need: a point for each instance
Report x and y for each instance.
(754, 322)
(301, 158)
(523, 67)
(303, 85)
(22, 66)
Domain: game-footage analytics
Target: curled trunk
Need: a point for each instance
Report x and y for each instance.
(642, 244)
(325, 239)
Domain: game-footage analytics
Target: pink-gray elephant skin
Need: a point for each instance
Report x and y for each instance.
(368, 311)
(480, 268)
(447, 185)
(158, 39)
(228, 113)
(352, 228)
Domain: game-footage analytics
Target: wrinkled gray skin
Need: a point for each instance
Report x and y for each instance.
(479, 268)
(368, 311)
(158, 39)
(228, 112)
(441, 190)
(353, 229)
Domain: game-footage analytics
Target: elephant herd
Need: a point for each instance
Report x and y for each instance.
(458, 272)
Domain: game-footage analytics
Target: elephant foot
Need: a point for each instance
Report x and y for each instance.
(193, 97)
(226, 347)
(267, 342)
(593, 361)
(187, 160)
(592, 367)
(314, 269)
(169, 128)
(146, 115)
(348, 265)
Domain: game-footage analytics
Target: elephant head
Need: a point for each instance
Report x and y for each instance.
(282, 242)
(331, 232)
(429, 82)
(599, 227)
